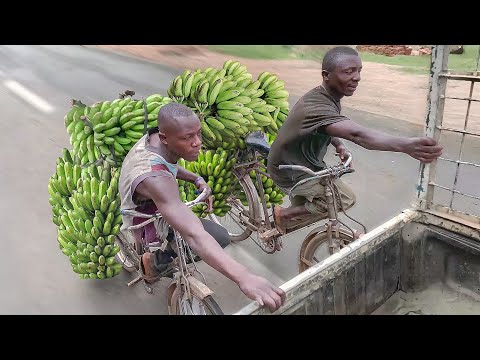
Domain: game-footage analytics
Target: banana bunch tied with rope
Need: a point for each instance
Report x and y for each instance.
(230, 104)
(215, 166)
(86, 208)
(108, 129)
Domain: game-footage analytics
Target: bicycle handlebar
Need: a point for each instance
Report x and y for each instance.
(199, 199)
(318, 173)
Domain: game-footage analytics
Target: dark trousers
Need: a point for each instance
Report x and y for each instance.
(219, 233)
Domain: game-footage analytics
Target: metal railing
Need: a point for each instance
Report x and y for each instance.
(427, 182)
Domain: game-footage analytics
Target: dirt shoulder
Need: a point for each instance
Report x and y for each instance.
(383, 90)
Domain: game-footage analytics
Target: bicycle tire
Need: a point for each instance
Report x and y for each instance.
(121, 257)
(312, 243)
(208, 302)
(253, 210)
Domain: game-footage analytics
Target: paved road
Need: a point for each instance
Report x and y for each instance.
(36, 85)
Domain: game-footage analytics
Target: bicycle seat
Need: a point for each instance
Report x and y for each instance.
(258, 141)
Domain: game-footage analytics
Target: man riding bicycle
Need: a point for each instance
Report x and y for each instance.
(313, 123)
(148, 180)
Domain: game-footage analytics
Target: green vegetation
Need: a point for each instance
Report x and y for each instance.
(411, 64)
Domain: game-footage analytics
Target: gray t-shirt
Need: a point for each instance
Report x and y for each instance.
(301, 140)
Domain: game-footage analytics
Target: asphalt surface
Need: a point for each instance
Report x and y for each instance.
(36, 86)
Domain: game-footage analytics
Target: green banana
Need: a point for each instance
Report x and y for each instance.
(276, 85)
(177, 86)
(278, 94)
(227, 95)
(229, 105)
(214, 91)
(229, 114)
(277, 102)
(203, 92)
(206, 131)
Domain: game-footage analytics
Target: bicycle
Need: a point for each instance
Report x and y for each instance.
(255, 218)
(186, 294)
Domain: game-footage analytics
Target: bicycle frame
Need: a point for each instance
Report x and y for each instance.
(333, 226)
(262, 225)
(183, 277)
(268, 234)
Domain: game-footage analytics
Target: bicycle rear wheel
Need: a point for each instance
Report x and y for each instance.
(180, 305)
(235, 220)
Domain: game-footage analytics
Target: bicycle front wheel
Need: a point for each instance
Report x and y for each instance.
(181, 305)
(235, 220)
(316, 248)
(125, 256)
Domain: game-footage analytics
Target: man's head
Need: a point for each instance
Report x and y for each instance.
(180, 130)
(341, 68)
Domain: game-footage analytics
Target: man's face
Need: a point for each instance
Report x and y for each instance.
(186, 139)
(346, 76)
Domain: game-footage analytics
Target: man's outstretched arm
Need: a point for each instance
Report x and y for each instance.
(424, 149)
(164, 192)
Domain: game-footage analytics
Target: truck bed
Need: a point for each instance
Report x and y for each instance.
(406, 266)
(437, 299)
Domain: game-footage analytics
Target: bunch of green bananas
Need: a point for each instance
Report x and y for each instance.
(86, 208)
(275, 95)
(215, 166)
(110, 129)
(185, 188)
(230, 104)
(84, 189)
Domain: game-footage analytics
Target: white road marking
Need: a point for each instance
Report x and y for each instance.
(30, 97)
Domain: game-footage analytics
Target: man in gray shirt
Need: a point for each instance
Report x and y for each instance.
(315, 122)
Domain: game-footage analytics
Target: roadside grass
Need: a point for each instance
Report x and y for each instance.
(410, 64)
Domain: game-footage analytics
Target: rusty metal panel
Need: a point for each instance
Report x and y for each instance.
(350, 288)
(299, 309)
(378, 272)
(339, 294)
(314, 303)
(320, 276)
(360, 290)
(328, 299)
(391, 265)
(370, 287)
(434, 116)
(460, 200)
(452, 220)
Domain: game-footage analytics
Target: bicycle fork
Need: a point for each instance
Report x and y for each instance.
(183, 279)
(332, 226)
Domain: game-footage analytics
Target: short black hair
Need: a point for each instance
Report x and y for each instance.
(330, 59)
(172, 110)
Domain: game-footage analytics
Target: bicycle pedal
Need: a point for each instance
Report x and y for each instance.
(134, 281)
(269, 233)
